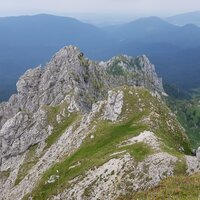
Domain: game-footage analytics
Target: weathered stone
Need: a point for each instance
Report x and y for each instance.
(146, 137)
(53, 178)
(198, 154)
(114, 105)
(193, 164)
(21, 132)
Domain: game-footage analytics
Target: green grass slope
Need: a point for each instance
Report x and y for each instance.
(173, 188)
(141, 111)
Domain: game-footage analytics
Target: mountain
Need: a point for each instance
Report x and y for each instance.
(27, 41)
(185, 18)
(31, 40)
(79, 129)
(48, 32)
(140, 28)
(154, 30)
(173, 49)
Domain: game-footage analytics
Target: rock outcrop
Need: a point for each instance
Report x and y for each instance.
(114, 105)
(69, 72)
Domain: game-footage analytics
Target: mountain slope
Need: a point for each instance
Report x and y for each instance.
(173, 49)
(188, 113)
(87, 130)
(141, 28)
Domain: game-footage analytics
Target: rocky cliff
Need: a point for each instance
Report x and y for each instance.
(79, 129)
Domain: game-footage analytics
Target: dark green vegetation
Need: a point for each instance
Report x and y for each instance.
(187, 108)
(176, 188)
(107, 138)
(188, 112)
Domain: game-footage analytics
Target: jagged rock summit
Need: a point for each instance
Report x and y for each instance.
(70, 73)
(75, 127)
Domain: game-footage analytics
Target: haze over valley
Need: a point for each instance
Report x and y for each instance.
(28, 41)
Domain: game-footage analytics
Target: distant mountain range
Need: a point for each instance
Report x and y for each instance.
(185, 18)
(28, 41)
(173, 49)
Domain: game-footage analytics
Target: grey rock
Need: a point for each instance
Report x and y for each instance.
(69, 72)
(53, 178)
(114, 105)
(70, 141)
(8, 109)
(198, 154)
(21, 132)
(193, 164)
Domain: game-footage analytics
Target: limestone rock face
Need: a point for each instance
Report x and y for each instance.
(21, 132)
(68, 76)
(68, 85)
(69, 72)
(8, 109)
(136, 71)
(114, 105)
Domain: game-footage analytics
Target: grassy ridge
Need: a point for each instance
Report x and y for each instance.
(173, 188)
(138, 104)
(93, 152)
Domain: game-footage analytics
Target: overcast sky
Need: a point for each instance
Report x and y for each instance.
(100, 7)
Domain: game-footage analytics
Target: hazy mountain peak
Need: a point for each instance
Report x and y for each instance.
(185, 18)
(153, 20)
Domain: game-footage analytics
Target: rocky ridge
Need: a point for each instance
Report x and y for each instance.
(73, 102)
(70, 73)
(67, 77)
